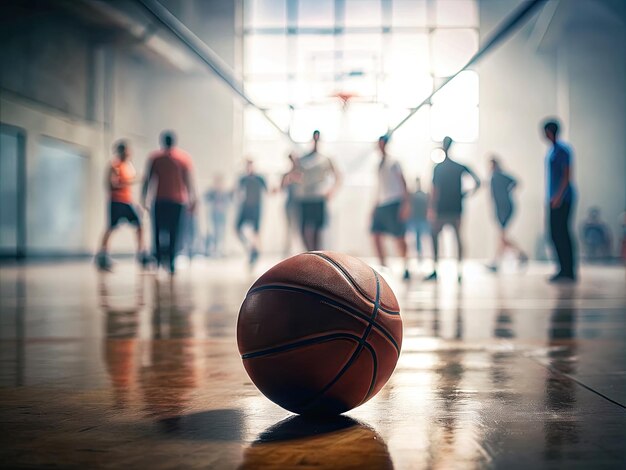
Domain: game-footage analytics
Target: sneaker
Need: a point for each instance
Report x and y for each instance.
(560, 278)
(144, 259)
(407, 275)
(103, 262)
(431, 277)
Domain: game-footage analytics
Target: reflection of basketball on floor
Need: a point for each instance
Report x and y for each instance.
(339, 442)
(320, 333)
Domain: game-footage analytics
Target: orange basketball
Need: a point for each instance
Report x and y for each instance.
(320, 333)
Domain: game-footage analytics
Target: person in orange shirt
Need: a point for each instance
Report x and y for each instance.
(169, 174)
(120, 178)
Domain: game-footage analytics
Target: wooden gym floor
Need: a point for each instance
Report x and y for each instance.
(132, 370)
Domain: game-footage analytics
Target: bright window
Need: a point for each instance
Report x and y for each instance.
(388, 54)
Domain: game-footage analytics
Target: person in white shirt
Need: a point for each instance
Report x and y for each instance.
(313, 192)
(392, 206)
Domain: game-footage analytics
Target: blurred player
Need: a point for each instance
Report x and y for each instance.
(120, 178)
(251, 188)
(392, 206)
(418, 221)
(502, 185)
(314, 193)
(446, 202)
(218, 200)
(169, 173)
(561, 198)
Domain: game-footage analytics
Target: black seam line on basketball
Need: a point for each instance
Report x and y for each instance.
(350, 279)
(376, 307)
(315, 398)
(332, 302)
(373, 382)
(297, 344)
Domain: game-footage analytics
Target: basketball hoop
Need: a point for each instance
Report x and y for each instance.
(344, 97)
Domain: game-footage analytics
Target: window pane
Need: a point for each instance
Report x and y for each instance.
(265, 55)
(268, 93)
(312, 56)
(407, 53)
(316, 14)
(461, 91)
(363, 13)
(457, 13)
(458, 122)
(325, 118)
(363, 122)
(406, 91)
(265, 13)
(257, 127)
(452, 49)
(409, 13)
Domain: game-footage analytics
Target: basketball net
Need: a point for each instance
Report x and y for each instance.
(345, 98)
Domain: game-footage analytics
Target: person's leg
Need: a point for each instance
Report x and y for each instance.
(157, 224)
(436, 230)
(418, 240)
(241, 221)
(254, 241)
(456, 225)
(104, 246)
(219, 230)
(379, 247)
(556, 237)
(403, 252)
(319, 217)
(377, 228)
(175, 223)
(567, 262)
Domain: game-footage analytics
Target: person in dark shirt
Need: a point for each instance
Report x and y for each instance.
(218, 200)
(596, 236)
(502, 185)
(561, 198)
(446, 202)
(251, 188)
(418, 221)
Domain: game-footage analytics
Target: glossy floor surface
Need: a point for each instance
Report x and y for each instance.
(134, 370)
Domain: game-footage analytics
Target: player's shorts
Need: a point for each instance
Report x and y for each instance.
(119, 211)
(387, 220)
(313, 214)
(249, 215)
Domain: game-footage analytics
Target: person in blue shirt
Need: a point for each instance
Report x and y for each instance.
(561, 198)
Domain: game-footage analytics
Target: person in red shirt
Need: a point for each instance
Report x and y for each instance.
(169, 176)
(120, 178)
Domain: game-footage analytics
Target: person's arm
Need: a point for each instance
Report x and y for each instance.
(337, 175)
(146, 183)
(112, 178)
(476, 182)
(557, 199)
(405, 208)
(191, 188)
(512, 183)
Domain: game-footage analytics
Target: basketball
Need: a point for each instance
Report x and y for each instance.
(320, 333)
